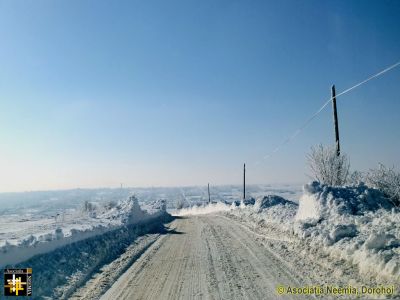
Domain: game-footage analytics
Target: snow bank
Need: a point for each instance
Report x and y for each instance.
(322, 201)
(358, 224)
(354, 223)
(157, 206)
(272, 211)
(202, 210)
(269, 201)
(58, 274)
(126, 212)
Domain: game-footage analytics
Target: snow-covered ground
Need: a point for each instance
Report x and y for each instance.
(38, 222)
(32, 216)
(357, 225)
(23, 237)
(353, 231)
(66, 249)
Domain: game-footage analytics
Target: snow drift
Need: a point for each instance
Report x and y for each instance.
(322, 201)
(269, 201)
(271, 211)
(126, 212)
(202, 210)
(355, 223)
(358, 224)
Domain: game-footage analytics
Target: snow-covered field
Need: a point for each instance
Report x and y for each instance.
(35, 216)
(29, 235)
(68, 237)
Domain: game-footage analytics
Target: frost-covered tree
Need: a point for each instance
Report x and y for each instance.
(327, 167)
(387, 180)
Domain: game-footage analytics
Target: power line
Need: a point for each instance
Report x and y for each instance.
(311, 118)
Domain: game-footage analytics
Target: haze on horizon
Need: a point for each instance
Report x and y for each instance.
(156, 93)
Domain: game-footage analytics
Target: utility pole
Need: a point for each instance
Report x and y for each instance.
(335, 120)
(209, 198)
(244, 182)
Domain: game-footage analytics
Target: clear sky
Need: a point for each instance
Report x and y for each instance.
(168, 93)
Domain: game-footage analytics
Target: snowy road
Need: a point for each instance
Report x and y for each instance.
(206, 257)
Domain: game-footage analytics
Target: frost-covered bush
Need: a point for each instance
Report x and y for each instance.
(387, 180)
(356, 178)
(180, 203)
(160, 205)
(88, 206)
(327, 167)
(110, 204)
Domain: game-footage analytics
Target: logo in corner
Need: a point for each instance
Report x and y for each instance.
(18, 282)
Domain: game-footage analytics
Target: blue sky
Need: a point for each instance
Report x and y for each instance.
(167, 93)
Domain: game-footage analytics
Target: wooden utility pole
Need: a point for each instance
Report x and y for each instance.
(244, 182)
(209, 198)
(335, 120)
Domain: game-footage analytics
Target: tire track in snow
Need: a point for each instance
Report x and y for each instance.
(206, 257)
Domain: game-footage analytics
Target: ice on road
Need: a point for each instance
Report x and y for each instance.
(206, 257)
